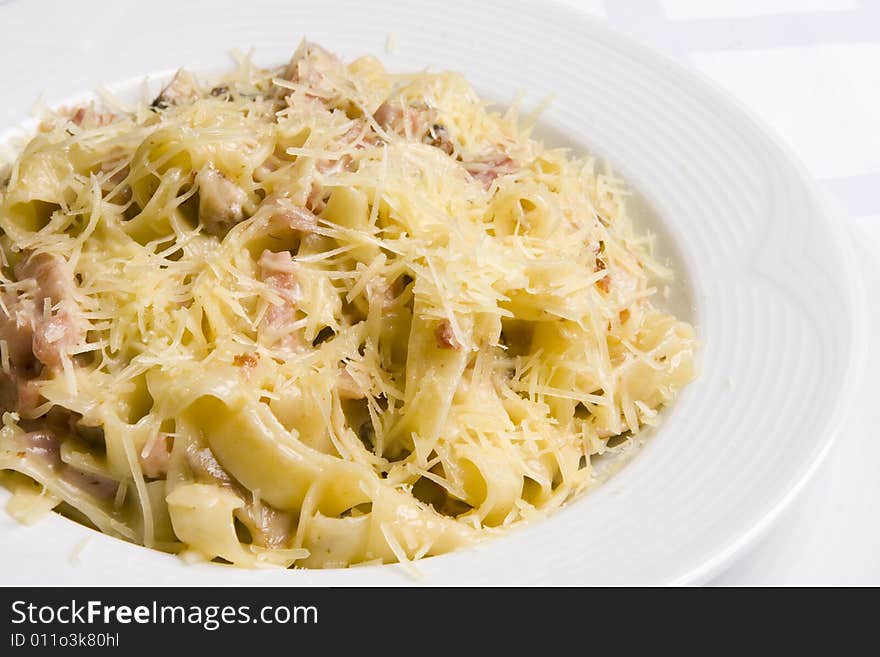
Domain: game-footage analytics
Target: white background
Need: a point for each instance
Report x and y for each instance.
(810, 70)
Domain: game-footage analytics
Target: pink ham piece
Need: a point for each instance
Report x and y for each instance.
(347, 387)
(285, 218)
(17, 329)
(488, 170)
(307, 66)
(289, 218)
(30, 333)
(405, 120)
(155, 457)
(45, 446)
(278, 271)
(36, 339)
(446, 336)
(56, 335)
(89, 116)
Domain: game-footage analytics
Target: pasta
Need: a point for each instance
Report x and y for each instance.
(316, 316)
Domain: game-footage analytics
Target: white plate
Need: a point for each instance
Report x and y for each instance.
(769, 282)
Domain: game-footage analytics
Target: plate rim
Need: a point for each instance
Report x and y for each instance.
(749, 539)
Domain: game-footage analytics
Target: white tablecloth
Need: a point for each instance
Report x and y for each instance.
(810, 69)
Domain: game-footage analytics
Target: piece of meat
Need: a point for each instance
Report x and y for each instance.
(604, 282)
(46, 446)
(56, 334)
(388, 114)
(17, 392)
(438, 136)
(268, 527)
(291, 218)
(36, 339)
(155, 457)
(221, 201)
(205, 466)
(247, 361)
(18, 389)
(279, 272)
(43, 444)
(486, 171)
(329, 167)
(309, 66)
(315, 202)
(95, 485)
(17, 323)
(88, 116)
(347, 387)
(27, 397)
(52, 274)
(55, 337)
(183, 89)
(446, 336)
(405, 120)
